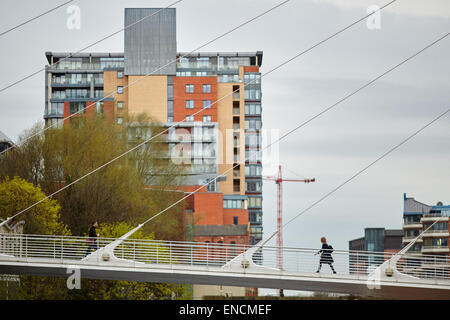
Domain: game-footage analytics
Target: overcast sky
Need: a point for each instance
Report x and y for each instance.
(331, 148)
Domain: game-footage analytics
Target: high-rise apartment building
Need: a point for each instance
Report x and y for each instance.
(151, 77)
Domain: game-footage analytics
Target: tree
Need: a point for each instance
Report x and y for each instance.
(114, 193)
(18, 194)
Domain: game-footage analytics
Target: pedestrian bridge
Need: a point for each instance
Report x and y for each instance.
(386, 275)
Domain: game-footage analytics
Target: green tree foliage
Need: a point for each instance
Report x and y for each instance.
(18, 194)
(116, 193)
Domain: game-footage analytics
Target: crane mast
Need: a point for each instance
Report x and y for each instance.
(279, 181)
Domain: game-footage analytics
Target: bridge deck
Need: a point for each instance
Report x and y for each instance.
(199, 263)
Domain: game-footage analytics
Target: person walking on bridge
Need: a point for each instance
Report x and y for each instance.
(92, 240)
(325, 255)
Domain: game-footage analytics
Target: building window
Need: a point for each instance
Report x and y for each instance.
(206, 88)
(100, 107)
(189, 104)
(170, 110)
(236, 108)
(254, 202)
(211, 187)
(98, 93)
(438, 226)
(256, 231)
(57, 123)
(235, 220)
(206, 104)
(253, 171)
(77, 107)
(111, 63)
(228, 78)
(253, 94)
(119, 104)
(252, 78)
(236, 185)
(236, 124)
(253, 156)
(203, 62)
(189, 118)
(253, 109)
(234, 204)
(236, 92)
(206, 118)
(253, 140)
(415, 219)
(253, 124)
(435, 242)
(119, 120)
(255, 217)
(189, 88)
(253, 186)
(119, 74)
(57, 109)
(120, 89)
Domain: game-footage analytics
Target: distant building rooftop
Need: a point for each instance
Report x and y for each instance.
(414, 207)
(220, 230)
(378, 239)
(4, 138)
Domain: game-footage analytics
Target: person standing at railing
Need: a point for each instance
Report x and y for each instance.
(92, 240)
(325, 255)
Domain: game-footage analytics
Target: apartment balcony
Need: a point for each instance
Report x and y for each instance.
(436, 234)
(435, 249)
(76, 84)
(198, 169)
(412, 225)
(433, 218)
(190, 139)
(409, 239)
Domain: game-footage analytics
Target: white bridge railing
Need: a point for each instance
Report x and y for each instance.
(69, 250)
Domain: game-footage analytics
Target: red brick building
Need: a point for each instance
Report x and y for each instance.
(217, 218)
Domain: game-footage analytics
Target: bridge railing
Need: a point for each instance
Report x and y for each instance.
(304, 260)
(301, 260)
(148, 251)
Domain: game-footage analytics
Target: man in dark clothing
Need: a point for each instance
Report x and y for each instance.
(92, 240)
(325, 255)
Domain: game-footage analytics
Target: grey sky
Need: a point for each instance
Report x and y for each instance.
(331, 148)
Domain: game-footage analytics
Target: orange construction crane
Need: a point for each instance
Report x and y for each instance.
(279, 181)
